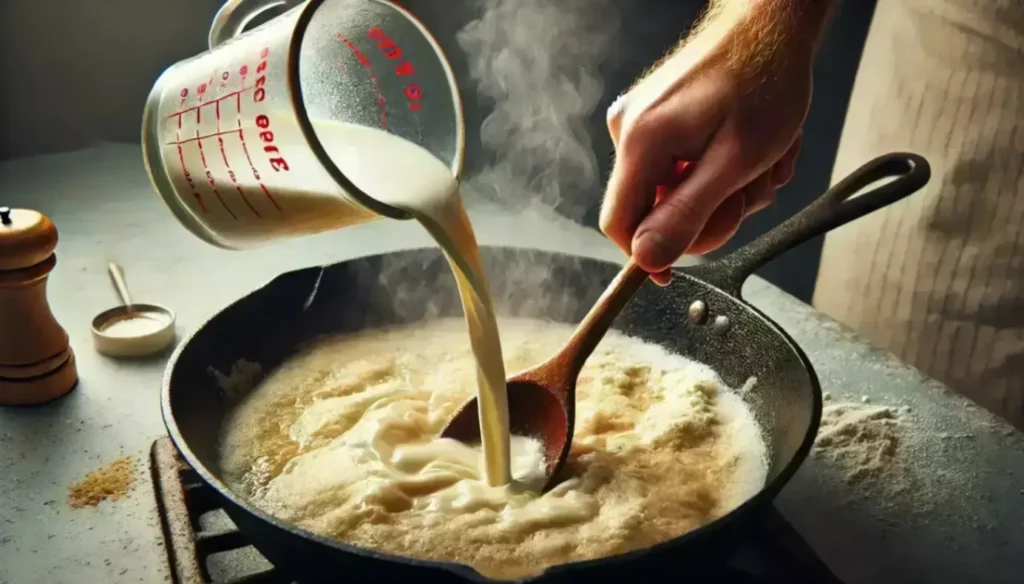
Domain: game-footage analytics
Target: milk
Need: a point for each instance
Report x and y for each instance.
(404, 175)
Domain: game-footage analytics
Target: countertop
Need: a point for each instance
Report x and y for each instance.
(961, 519)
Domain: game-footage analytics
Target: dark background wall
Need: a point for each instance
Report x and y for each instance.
(77, 73)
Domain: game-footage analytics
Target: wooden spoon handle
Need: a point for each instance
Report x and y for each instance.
(597, 322)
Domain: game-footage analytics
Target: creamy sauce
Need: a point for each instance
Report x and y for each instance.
(410, 178)
(343, 440)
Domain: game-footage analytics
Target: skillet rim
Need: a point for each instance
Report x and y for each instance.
(745, 511)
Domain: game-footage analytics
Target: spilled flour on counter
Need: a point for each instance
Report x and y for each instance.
(864, 442)
(889, 456)
(112, 481)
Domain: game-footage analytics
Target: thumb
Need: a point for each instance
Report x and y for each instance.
(632, 188)
(673, 226)
(648, 153)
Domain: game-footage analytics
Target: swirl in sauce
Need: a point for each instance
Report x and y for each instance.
(343, 440)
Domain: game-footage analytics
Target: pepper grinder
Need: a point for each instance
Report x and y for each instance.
(36, 361)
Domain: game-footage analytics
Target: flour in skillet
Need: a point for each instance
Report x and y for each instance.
(343, 440)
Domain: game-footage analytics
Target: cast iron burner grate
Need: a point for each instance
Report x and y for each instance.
(205, 547)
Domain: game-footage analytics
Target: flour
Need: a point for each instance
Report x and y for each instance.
(342, 439)
(864, 441)
(244, 376)
(893, 456)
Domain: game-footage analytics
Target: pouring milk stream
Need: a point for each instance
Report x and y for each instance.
(427, 190)
(334, 113)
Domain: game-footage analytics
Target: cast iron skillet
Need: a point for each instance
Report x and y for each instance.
(731, 336)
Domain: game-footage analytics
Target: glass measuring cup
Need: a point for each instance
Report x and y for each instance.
(241, 141)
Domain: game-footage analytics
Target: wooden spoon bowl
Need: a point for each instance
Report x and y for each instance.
(542, 400)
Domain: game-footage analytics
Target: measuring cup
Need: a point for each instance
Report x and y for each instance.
(242, 141)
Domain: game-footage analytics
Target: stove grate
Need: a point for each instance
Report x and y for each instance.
(205, 547)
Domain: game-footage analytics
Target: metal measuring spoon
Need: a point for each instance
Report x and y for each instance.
(132, 329)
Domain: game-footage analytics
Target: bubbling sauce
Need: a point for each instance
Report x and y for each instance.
(343, 440)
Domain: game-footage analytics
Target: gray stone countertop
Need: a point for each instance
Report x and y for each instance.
(961, 519)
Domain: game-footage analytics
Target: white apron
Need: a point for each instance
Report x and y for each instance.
(938, 279)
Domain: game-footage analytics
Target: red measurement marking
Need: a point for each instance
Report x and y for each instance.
(209, 176)
(206, 86)
(188, 177)
(269, 196)
(241, 135)
(414, 92)
(384, 43)
(404, 68)
(220, 138)
(255, 173)
(365, 62)
(196, 107)
(259, 94)
(278, 163)
(392, 51)
(198, 137)
(224, 157)
(245, 148)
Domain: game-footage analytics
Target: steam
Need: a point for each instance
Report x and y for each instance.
(537, 61)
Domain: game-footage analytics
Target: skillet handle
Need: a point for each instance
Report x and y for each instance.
(836, 207)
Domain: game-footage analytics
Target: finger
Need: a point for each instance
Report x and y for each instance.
(629, 196)
(727, 218)
(782, 170)
(681, 170)
(672, 226)
(759, 193)
(648, 144)
(613, 117)
(643, 164)
(721, 226)
(662, 278)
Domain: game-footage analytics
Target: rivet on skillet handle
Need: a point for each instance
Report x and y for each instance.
(836, 207)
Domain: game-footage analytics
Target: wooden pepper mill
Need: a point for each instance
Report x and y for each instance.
(36, 361)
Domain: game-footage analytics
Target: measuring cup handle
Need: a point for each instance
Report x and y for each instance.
(232, 17)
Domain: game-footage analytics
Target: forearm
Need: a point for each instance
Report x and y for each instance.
(804, 21)
(758, 30)
(753, 38)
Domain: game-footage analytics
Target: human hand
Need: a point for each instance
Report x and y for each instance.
(707, 138)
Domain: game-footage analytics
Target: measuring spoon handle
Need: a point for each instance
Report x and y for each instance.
(117, 277)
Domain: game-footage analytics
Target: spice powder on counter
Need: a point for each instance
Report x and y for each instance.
(112, 481)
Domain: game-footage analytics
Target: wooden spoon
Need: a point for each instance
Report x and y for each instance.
(542, 400)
